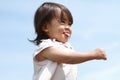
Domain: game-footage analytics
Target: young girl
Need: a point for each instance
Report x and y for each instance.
(55, 59)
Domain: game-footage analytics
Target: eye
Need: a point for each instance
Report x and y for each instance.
(62, 23)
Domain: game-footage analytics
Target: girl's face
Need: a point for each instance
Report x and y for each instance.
(59, 31)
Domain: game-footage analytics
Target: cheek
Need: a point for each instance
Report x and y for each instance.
(60, 31)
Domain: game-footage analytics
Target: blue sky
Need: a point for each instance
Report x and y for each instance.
(96, 24)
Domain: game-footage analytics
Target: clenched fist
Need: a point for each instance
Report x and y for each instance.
(99, 53)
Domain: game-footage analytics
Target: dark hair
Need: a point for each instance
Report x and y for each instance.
(44, 14)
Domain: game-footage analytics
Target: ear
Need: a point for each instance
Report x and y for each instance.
(45, 28)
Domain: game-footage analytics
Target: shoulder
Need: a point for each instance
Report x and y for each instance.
(45, 43)
(50, 42)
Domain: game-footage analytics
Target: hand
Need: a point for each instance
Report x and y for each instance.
(99, 53)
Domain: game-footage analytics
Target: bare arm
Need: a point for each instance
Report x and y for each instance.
(61, 56)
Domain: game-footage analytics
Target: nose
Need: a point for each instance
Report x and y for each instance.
(67, 26)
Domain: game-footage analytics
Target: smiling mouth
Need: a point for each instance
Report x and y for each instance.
(66, 34)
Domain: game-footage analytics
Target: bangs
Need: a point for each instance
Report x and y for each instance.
(64, 15)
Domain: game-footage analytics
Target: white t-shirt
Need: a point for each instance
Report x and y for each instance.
(49, 70)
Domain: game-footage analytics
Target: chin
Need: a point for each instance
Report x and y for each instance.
(64, 41)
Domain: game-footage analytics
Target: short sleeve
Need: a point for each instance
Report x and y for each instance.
(43, 45)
